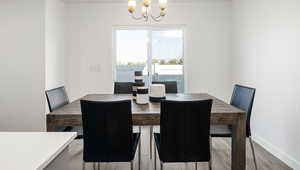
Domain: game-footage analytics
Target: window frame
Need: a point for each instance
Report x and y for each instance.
(149, 29)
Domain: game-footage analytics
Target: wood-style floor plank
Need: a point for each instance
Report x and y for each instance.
(221, 157)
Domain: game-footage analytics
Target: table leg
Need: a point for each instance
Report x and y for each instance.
(50, 126)
(151, 132)
(238, 151)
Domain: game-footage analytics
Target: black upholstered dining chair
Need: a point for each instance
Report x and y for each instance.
(184, 132)
(107, 132)
(56, 99)
(242, 98)
(123, 87)
(171, 86)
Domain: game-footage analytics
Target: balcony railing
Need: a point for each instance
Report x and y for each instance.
(125, 73)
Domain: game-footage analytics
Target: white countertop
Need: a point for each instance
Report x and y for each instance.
(31, 150)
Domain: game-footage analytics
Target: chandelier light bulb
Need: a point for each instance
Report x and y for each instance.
(131, 6)
(146, 3)
(162, 4)
(144, 10)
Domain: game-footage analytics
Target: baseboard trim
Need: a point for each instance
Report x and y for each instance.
(284, 157)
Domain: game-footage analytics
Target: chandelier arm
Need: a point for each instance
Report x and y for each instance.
(157, 19)
(136, 18)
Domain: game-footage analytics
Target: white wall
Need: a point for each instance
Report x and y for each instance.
(22, 66)
(208, 44)
(56, 65)
(55, 44)
(266, 56)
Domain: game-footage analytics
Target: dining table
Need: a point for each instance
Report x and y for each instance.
(222, 113)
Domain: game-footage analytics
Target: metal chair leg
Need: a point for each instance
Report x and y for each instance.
(161, 166)
(151, 131)
(154, 156)
(83, 165)
(98, 165)
(94, 166)
(131, 165)
(253, 153)
(211, 152)
(210, 144)
(196, 166)
(209, 165)
(140, 154)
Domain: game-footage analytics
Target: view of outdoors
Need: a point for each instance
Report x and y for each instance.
(165, 57)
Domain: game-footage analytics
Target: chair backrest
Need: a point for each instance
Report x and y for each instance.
(107, 131)
(57, 98)
(171, 86)
(242, 98)
(123, 87)
(184, 129)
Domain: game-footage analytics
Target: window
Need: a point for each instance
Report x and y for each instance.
(156, 52)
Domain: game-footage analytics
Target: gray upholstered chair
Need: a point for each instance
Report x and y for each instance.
(56, 99)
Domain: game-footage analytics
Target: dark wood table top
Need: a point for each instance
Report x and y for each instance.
(218, 107)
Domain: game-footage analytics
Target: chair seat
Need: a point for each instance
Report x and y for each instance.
(62, 128)
(220, 131)
(103, 158)
(157, 137)
(79, 131)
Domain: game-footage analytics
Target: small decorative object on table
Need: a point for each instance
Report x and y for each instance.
(157, 92)
(142, 96)
(138, 78)
(135, 86)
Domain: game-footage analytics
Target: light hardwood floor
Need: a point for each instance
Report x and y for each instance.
(221, 158)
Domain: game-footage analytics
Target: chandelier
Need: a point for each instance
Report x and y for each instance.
(146, 10)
